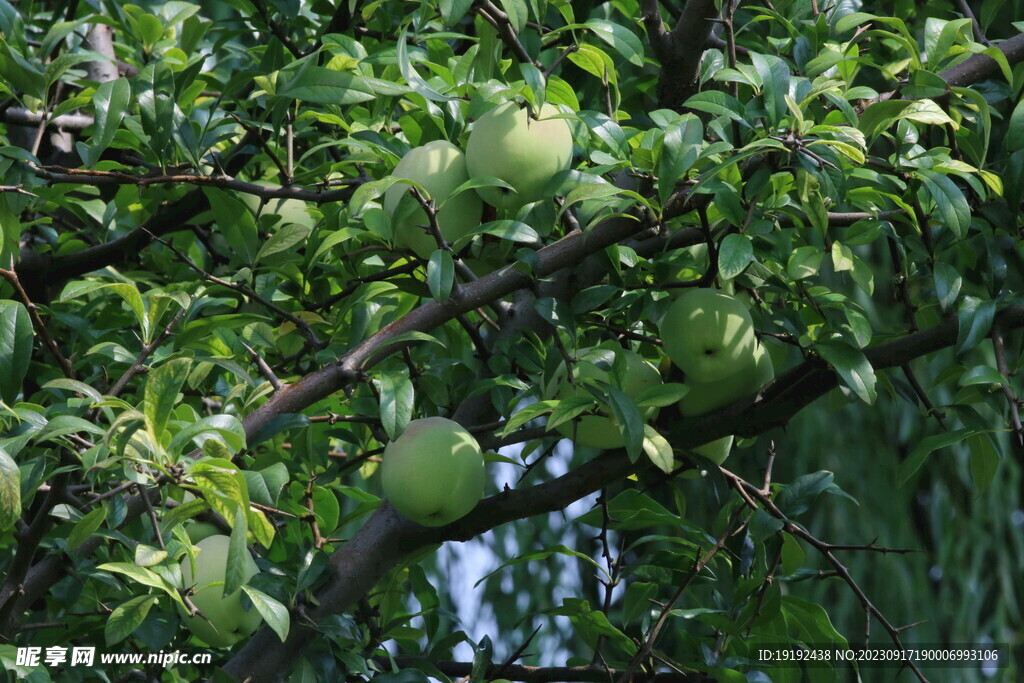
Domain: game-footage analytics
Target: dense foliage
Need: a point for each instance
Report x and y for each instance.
(207, 317)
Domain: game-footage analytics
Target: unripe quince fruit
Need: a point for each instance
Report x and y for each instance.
(433, 473)
(524, 152)
(708, 334)
(439, 167)
(228, 621)
(704, 397)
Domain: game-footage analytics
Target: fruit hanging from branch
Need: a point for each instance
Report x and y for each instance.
(708, 334)
(524, 152)
(433, 473)
(439, 167)
(227, 620)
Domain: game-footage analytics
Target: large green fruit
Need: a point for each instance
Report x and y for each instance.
(600, 431)
(434, 472)
(439, 167)
(506, 143)
(704, 397)
(708, 334)
(229, 622)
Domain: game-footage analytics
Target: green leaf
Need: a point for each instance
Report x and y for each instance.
(85, 527)
(571, 408)
(408, 71)
(147, 555)
(981, 374)
(804, 262)
(272, 611)
(842, 257)
(734, 254)
(1014, 139)
(127, 617)
(680, 149)
(161, 394)
(631, 510)
(717, 103)
(974, 321)
(542, 555)
(283, 239)
(320, 85)
(925, 447)
(234, 575)
(628, 419)
(16, 338)
(658, 449)
(775, 78)
(482, 655)
(853, 367)
(796, 498)
(514, 231)
(625, 42)
(440, 274)
(453, 10)
(947, 284)
(63, 425)
(517, 12)
(792, 554)
(141, 575)
(10, 491)
(396, 401)
(984, 459)
(949, 201)
(661, 395)
(109, 105)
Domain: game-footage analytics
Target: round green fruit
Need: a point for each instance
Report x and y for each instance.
(434, 472)
(439, 167)
(707, 334)
(524, 152)
(704, 397)
(229, 622)
(600, 431)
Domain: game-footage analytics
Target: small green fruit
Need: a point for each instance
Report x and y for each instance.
(598, 431)
(526, 153)
(228, 621)
(707, 334)
(439, 167)
(434, 472)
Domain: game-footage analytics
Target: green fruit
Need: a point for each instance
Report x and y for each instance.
(526, 153)
(599, 431)
(434, 472)
(229, 622)
(707, 334)
(716, 451)
(439, 167)
(704, 397)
